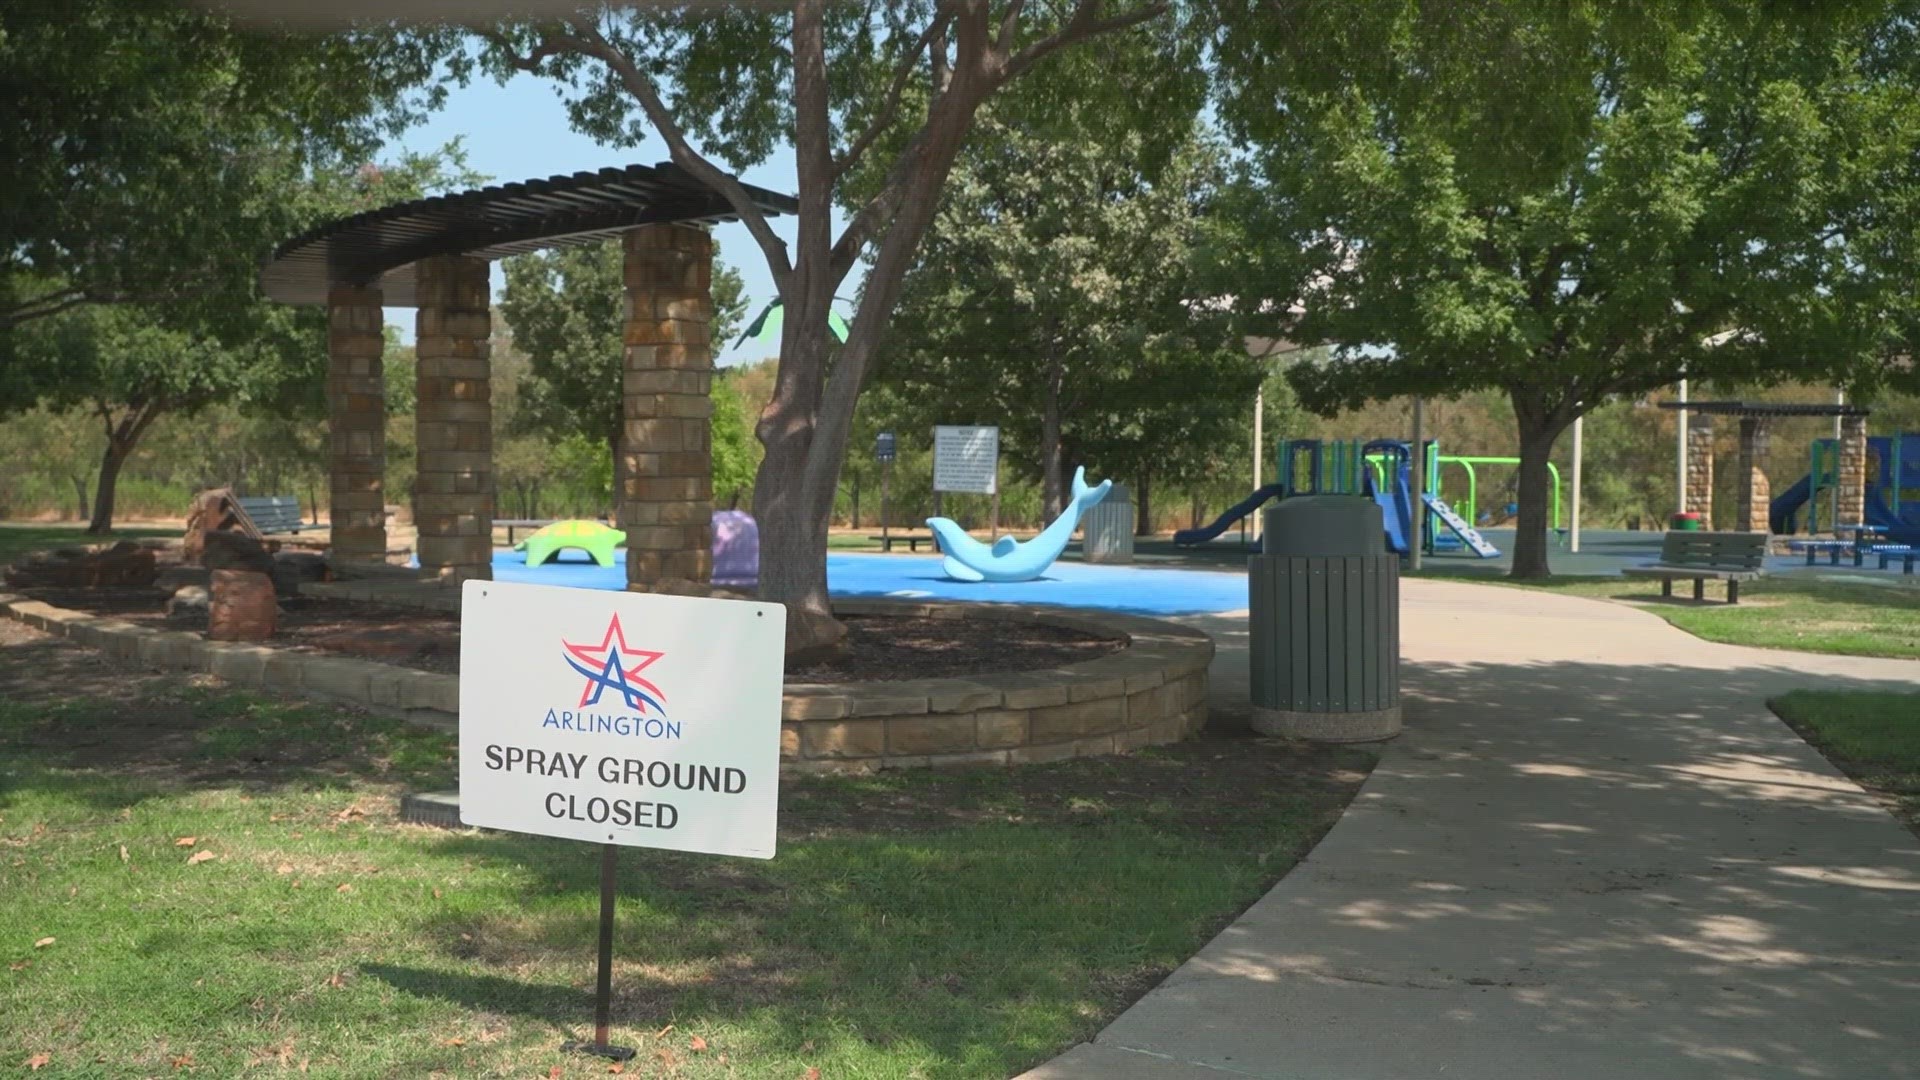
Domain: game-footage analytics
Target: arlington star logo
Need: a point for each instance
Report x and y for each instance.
(614, 665)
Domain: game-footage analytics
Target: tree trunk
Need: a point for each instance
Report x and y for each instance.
(110, 463)
(1540, 427)
(80, 496)
(1143, 505)
(122, 436)
(1053, 466)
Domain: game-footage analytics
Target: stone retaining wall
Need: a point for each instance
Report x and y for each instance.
(1151, 692)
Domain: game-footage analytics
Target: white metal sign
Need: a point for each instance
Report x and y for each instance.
(621, 718)
(965, 459)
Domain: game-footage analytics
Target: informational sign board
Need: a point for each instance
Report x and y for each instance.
(883, 447)
(965, 459)
(621, 718)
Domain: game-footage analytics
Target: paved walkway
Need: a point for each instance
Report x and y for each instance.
(1594, 853)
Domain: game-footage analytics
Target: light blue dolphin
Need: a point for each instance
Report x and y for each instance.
(1008, 559)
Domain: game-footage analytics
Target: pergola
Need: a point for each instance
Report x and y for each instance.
(432, 254)
(1755, 493)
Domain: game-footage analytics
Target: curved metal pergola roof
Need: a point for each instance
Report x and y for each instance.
(379, 247)
(1767, 408)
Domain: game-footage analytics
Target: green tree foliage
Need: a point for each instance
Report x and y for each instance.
(128, 364)
(1572, 203)
(152, 151)
(567, 308)
(1052, 299)
(876, 101)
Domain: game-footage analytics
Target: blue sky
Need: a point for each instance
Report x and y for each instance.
(520, 131)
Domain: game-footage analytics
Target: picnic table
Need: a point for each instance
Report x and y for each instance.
(1906, 553)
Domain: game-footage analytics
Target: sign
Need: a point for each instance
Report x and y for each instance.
(966, 459)
(883, 449)
(621, 718)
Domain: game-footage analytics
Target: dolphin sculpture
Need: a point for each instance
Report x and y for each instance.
(1008, 559)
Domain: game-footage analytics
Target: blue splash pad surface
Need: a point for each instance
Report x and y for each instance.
(1066, 584)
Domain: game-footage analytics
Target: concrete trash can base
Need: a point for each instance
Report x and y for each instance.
(1324, 623)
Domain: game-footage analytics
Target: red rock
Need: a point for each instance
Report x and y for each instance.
(244, 607)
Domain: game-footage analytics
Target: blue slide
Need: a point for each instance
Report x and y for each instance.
(1786, 506)
(1189, 537)
(1396, 507)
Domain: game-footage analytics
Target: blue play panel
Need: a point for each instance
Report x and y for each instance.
(1066, 584)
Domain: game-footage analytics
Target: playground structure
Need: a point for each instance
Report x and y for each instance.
(1892, 496)
(592, 537)
(1008, 559)
(1381, 469)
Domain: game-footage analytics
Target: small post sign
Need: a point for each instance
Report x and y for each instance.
(966, 459)
(622, 719)
(883, 447)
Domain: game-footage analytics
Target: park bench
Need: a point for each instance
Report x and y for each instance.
(1732, 557)
(272, 513)
(912, 540)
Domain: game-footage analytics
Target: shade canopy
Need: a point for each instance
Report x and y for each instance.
(765, 329)
(379, 247)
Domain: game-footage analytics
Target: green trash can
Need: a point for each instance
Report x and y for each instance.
(1687, 522)
(1324, 621)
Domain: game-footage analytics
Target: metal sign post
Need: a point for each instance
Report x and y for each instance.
(884, 452)
(603, 986)
(620, 719)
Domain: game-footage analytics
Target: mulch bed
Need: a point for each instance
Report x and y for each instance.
(879, 647)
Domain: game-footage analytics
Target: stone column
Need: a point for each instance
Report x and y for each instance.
(356, 425)
(666, 474)
(453, 417)
(1751, 503)
(1852, 481)
(1700, 468)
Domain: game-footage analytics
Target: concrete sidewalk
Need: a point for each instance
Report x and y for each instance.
(1594, 853)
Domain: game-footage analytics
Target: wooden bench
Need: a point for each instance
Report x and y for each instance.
(272, 513)
(1732, 557)
(912, 540)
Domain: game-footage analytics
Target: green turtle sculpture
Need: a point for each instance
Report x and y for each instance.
(591, 537)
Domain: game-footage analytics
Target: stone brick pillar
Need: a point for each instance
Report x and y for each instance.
(453, 417)
(1852, 481)
(1751, 502)
(356, 425)
(1700, 468)
(666, 474)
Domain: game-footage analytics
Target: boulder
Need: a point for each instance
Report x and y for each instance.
(293, 568)
(125, 565)
(812, 637)
(243, 606)
(235, 551)
(174, 578)
(188, 603)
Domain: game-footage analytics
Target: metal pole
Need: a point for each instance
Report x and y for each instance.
(1680, 491)
(603, 988)
(1573, 523)
(1259, 439)
(1839, 398)
(886, 474)
(1417, 461)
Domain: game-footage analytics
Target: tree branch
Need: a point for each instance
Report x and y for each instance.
(529, 63)
(587, 40)
(1082, 24)
(935, 31)
(41, 306)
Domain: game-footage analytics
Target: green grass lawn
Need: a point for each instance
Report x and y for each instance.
(18, 540)
(1808, 614)
(915, 924)
(1873, 737)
